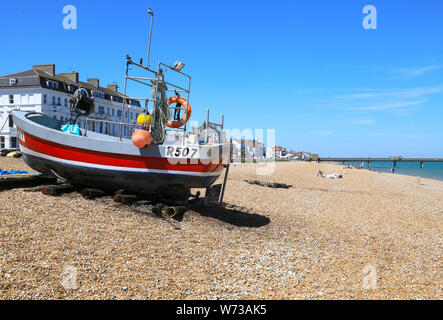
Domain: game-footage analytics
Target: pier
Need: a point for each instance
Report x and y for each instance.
(394, 160)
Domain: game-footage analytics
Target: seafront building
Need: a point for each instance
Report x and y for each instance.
(276, 152)
(40, 89)
(251, 149)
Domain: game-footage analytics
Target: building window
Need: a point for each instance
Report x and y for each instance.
(119, 113)
(112, 110)
(101, 109)
(45, 99)
(58, 101)
(66, 102)
(53, 101)
(2, 142)
(13, 142)
(100, 95)
(116, 99)
(11, 122)
(52, 84)
(11, 99)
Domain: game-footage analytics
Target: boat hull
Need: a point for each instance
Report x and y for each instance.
(147, 182)
(85, 161)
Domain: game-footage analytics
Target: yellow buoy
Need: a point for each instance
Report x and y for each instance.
(143, 119)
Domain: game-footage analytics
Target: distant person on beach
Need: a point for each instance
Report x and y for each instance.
(392, 170)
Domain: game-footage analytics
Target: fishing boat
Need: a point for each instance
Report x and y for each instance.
(162, 156)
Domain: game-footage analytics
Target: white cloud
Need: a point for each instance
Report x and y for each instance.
(387, 105)
(415, 72)
(362, 122)
(322, 133)
(393, 93)
(382, 99)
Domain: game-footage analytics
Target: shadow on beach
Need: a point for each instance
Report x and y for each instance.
(233, 215)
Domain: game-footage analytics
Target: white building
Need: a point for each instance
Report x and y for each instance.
(276, 152)
(253, 149)
(41, 90)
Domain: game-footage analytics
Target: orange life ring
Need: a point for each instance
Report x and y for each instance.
(186, 116)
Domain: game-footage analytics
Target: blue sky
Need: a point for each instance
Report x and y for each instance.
(307, 69)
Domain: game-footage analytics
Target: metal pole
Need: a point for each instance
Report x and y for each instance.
(226, 172)
(207, 125)
(124, 98)
(95, 117)
(150, 34)
(220, 138)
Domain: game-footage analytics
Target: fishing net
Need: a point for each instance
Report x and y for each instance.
(161, 113)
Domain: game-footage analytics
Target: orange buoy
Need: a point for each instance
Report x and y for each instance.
(186, 116)
(141, 138)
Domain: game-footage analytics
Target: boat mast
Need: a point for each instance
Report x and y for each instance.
(150, 34)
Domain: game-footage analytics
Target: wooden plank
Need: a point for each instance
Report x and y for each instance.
(92, 193)
(57, 190)
(25, 181)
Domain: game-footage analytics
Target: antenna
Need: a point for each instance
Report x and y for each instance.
(150, 34)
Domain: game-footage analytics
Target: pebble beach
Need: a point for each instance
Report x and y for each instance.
(368, 235)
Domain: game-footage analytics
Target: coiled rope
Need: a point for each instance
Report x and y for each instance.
(161, 112)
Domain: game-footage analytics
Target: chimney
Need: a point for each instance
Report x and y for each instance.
(112, 87)
(94, 82)
(73, 76)
(49, 68)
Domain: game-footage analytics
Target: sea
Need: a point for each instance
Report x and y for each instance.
(431, 170)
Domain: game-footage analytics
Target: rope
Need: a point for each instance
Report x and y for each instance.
(161, 113)
(7, 115)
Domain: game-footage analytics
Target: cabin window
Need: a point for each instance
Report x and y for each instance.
(11, 99)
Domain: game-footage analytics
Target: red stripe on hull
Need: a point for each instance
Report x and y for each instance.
(112, 159)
